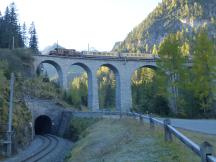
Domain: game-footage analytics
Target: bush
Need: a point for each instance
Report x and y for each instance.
(19, 61)
(78, 127)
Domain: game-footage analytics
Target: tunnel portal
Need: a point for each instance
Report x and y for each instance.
(43, 125)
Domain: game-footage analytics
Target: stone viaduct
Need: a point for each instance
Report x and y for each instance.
(123, 69)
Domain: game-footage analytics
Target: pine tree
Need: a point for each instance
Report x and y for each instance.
(24, 34)
(1, 25)
(20, 41)
(15, 39)
(5, 30)
(33, 41)
(10, 31)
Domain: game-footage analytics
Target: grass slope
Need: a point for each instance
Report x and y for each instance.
(199, 138)
(127, 140)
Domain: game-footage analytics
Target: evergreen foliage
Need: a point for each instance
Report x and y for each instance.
(178, 87)
(12, 34)
(106, 88)
(191, 90)
(20, 62)
(33, 42)
(147, 95)
(78, 93)
(168, 17)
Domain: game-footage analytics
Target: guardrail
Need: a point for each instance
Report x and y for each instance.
(204, 151)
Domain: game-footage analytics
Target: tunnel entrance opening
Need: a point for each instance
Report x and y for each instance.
(43, 125)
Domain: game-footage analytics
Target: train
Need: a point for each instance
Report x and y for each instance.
(95, 54)
(64, 52)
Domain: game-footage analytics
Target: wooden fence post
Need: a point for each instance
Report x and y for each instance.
(205, 150)
(167, 133)
(140, 118)
(151, 121)
(134, 115)
(120, 115)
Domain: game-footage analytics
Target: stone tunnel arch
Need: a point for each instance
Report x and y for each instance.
(117, 84)
(89, 81)
(56, 66)
(43, 125)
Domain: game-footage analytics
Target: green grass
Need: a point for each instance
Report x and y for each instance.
(127, 140)
(78, 127)
(199, 138)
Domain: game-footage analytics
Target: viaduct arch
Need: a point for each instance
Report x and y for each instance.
(56, 66)
(122, 68)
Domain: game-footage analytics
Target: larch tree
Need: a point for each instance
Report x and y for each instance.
(172, 62)
(204, 72)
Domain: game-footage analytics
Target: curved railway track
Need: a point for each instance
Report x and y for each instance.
(49, 144)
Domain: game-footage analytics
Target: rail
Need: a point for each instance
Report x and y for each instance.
(50, 143)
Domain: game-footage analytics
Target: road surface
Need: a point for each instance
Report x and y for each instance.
(203, 126)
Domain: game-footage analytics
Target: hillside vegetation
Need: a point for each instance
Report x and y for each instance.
(172, 89)
(170, 16)
(126, 140)
(18, 61)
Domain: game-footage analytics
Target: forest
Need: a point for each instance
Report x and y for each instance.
(17, 46)
(183, 85)
(170, 16)
(13, 35)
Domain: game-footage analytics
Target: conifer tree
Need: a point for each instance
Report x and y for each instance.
(10, 30)
(33, 41)
(24, 34)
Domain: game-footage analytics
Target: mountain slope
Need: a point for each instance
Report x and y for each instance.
(170, 16)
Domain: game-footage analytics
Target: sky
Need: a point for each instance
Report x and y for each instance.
(77, 23)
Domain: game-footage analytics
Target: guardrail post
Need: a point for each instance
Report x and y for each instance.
(151, 121)
(205, 150)
(167, 133)
(140, 118)
(134, 115)
(120, 114)
(127, 114)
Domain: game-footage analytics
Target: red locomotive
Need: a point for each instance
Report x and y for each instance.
(64, 52)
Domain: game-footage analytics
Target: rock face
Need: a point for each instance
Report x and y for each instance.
(170, 16)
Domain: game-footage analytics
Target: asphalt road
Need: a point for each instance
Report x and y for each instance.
(203, 126)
